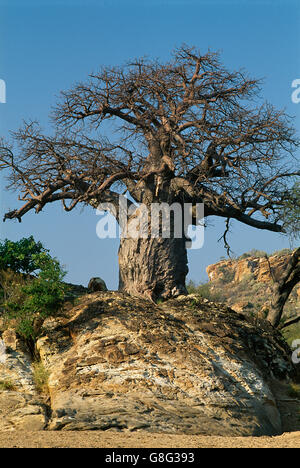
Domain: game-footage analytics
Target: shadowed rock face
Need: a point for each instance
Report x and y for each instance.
(21, 408)
(186, 366)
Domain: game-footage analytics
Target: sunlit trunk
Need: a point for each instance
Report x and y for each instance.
(153, 267)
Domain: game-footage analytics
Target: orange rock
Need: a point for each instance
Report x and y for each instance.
(261, 268)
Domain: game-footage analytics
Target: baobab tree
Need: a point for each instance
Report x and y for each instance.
(185, 131)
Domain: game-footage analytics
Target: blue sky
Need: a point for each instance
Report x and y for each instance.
(48, 46)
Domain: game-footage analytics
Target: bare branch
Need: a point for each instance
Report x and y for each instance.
(186, 130)
(288, 323)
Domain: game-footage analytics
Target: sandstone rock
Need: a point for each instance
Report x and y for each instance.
(216, 271)
(186, 366)
(242, 306)
(20, 406)
(124, 364)
(263, 312)
(97, 284)
(10, 339)
(277, 265)
(17, 366)
(244, 268)
(21, 411)
(251, 280)
(241, 269)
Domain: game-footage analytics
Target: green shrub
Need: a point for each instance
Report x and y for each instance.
(227, 274)
(291, 212)
(6, 385)
(20, 256)
(294, 391)
(10, 282)
(253, 253)
(280, 253)
(40, 377)
(291, 333)
(191, 287)
(30, 299)
(204, 290)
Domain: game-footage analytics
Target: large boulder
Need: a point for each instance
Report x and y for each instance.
(97, 285)
(186, 366)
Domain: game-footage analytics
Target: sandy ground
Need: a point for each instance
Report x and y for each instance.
(95, 439)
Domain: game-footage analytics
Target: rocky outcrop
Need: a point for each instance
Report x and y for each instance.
(186, 366)
(258, 267)
(247, 284)
(21, 407)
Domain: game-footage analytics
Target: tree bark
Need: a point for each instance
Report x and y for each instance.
(283, 288)
(153, 267)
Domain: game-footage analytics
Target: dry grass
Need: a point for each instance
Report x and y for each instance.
(40, 377)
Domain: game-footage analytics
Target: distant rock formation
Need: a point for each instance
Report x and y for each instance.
(186, 366)
(242, 268)
(249, 283)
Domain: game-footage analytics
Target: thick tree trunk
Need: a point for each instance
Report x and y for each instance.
(280, 296)
(284, 287)
(153, 267)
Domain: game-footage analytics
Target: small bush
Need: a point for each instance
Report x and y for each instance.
(291, 333)
(294, 391)
(40, 377)
(20, 256)
(282, 252)
(204, 290)
(11, 282)
(253, 253)
(29, 299)
(227, 274)
(6, 385)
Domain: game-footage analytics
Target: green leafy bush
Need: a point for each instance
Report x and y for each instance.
(9, 285)
(40, 377)
(204, 290)
(253, 253)
(291, 212)
(29, 299)
(6, 385)
(20, 256)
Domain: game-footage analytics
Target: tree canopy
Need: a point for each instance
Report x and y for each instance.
(21, 256)
(187, 131)
(188, 128)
